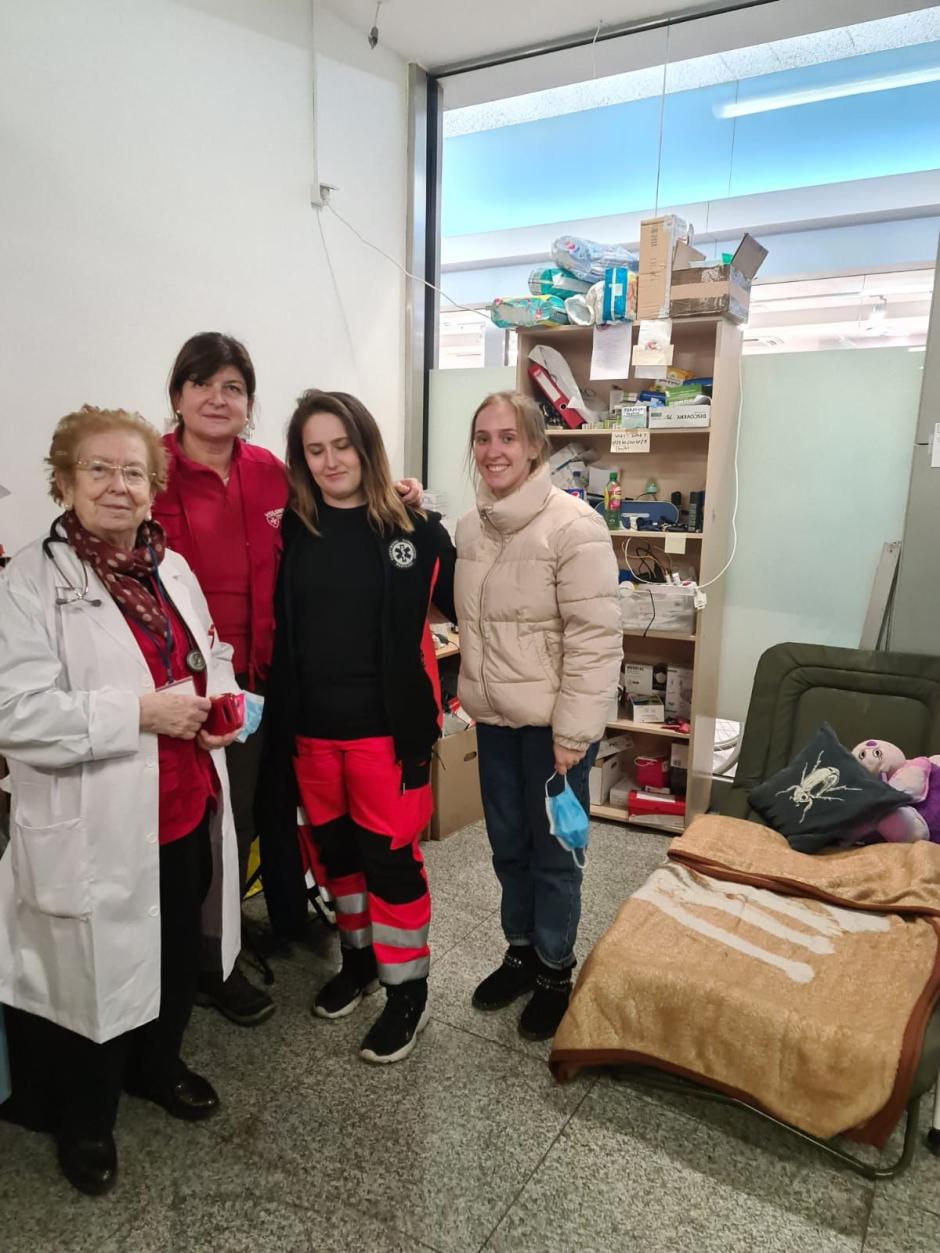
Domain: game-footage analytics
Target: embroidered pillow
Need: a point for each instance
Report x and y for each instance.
(822, 794)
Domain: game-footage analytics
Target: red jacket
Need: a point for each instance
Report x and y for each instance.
(187, 514)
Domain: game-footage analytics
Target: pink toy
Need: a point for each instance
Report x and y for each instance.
(918, 778)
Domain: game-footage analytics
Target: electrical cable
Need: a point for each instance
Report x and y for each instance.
(397, 264)
(737, 494)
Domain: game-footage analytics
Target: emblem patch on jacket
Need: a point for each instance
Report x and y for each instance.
(403, 553)
(273, 516)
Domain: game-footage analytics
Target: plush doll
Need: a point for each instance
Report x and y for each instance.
(918, 778)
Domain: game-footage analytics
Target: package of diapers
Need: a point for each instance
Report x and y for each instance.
(588, 260)
(512, 312)
(551, 281)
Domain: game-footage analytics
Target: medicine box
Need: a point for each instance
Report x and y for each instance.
(679, 692)
(679, 417)
(645, 709)
(629, 417)
(643, 678)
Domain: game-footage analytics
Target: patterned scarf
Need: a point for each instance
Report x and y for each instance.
(121, 571)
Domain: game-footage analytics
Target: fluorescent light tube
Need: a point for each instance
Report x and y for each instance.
(836, 91)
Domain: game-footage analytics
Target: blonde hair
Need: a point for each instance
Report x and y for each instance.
(529, 423)
(71, 430)
(384, 508)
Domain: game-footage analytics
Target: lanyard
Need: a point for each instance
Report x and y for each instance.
(194, 660)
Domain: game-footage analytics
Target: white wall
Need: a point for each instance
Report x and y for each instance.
(825, 458)
(157, 159)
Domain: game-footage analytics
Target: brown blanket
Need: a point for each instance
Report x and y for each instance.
(800, 984)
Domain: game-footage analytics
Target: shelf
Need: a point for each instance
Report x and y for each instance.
(634, 633)
(656, 534)
(581, 433)
(449, 650)
(646, 728)
(657, 822)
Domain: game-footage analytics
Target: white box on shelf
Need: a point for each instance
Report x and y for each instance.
(645, 709)
(611, 745)
(657, 607)
(602, 776)
(679, 692)
(617, 798)
(679, 417)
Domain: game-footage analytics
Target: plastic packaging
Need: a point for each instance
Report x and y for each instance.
(509, 312)
(587, 259)
(551, 281)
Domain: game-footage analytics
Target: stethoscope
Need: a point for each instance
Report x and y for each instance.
(71, 595)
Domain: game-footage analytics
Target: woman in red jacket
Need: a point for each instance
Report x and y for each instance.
(222, 511)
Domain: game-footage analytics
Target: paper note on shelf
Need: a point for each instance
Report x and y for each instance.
(610, 358)
(630, 441)
(675, 542)
(935, 448)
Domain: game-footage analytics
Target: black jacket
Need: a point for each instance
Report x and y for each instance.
(418, 568)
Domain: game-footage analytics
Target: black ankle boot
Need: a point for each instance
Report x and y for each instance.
(545, 1010)
(513, 979)
(90, 1165)
(395, 1032)
(340, 995)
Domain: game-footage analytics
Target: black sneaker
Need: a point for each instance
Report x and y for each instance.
(358, 978)
(545, 1010)
(395, 1032)
(240, 1001)
(513, 979)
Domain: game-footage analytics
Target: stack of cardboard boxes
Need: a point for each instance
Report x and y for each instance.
(675, 280)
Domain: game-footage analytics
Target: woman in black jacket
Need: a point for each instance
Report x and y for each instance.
(353, 712)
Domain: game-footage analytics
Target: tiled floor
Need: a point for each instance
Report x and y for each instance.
(469, 1145)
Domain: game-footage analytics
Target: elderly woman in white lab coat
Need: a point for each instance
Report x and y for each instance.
(122, 851)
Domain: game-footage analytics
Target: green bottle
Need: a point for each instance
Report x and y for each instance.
(612, 502)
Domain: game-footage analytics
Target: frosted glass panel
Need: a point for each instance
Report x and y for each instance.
(826, 444)
(453, 396)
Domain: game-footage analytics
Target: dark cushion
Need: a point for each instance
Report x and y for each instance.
(822, 794)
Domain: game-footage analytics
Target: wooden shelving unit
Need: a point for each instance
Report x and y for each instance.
(680, 460)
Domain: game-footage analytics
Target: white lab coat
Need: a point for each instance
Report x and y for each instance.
(80, 879)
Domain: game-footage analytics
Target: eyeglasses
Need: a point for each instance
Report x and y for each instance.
(134, 476)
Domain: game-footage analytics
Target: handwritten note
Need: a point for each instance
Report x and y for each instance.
(630, 441)
(610, 358)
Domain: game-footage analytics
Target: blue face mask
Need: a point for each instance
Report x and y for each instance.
(567, 821)
(254, 704)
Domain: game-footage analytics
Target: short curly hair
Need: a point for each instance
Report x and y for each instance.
(89, 420)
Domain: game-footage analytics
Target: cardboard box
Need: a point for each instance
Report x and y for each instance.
(602, 776)
(644, 679)
(679, 417)
(645, 709)
(679, 692)
(678, 768)
(710, 289)
(455, 781)
(612, 745)
(658, 239)
(620, 792)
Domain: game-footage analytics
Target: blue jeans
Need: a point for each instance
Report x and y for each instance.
(541, 902)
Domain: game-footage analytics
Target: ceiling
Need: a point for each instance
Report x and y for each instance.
(439, 32)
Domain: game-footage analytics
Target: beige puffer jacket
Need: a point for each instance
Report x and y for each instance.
(541, 640)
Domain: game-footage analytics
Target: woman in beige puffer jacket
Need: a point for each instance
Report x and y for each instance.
(541, 648)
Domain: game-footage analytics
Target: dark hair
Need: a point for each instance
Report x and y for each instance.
(385, 510)
(201, 357)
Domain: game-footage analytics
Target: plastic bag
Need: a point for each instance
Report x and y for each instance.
(551, 281)
(514, 311)
(586, 259)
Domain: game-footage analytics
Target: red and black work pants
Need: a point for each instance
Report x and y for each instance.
(364, 829)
